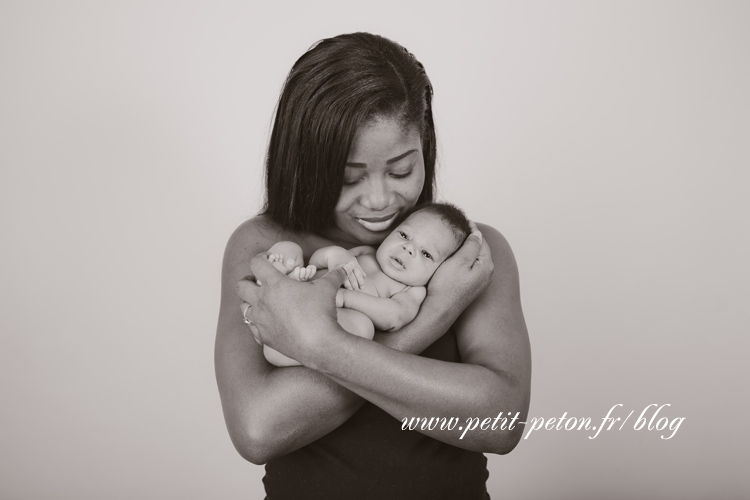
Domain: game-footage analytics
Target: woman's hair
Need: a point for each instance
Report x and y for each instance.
(335, 88)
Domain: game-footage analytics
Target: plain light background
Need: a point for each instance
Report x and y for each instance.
(608, 141)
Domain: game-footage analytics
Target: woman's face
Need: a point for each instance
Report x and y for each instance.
(384, 176)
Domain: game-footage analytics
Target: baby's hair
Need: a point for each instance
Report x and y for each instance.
(448, 213)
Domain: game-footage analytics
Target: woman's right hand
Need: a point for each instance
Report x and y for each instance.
(463, 276)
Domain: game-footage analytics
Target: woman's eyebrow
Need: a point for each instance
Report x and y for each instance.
(399, 157)
(388, 162)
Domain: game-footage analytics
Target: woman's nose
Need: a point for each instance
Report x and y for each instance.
(378, 195)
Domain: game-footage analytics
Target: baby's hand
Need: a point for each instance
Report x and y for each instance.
(301, 273)
(355, 275)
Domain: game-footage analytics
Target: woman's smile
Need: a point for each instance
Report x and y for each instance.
(377, 224)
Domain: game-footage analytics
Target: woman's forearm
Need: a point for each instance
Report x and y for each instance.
(414, 387)
(274, 426)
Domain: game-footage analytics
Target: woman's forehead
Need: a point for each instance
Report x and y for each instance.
(383, 140)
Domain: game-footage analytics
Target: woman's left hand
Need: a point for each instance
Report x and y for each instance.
(287, 315)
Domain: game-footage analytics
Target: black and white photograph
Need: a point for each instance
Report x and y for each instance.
(377, 250)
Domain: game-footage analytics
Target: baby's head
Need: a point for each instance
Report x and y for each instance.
(427, 235)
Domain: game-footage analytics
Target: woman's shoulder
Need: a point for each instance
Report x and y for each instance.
(494, 238)
(260, 233)
(503, 260)
(256, 234)
(502, 255)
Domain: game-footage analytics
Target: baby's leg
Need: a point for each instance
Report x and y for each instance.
(277, 359)
(355, 322)
(350, 320)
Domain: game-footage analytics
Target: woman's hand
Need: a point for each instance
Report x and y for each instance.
(463, 276)
(290, 316)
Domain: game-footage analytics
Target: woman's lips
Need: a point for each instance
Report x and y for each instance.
(377, 224)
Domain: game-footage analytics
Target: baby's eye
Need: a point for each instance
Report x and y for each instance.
(402, 234)
(427, 255)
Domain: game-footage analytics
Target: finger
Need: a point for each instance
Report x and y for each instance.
(256, 333)
(264, 270)
(475, 230)
(360, 274)
(471, 248)
(246, 289)
(484, 254)
(244, 308)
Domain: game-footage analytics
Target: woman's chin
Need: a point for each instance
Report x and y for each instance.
(371, 238)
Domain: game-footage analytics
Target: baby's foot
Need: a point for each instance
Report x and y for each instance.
(277, 259)
(302, 273)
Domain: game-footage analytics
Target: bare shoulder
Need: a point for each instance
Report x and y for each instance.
(504, 261)
(248, 240)
(256, 233)
(501, 251)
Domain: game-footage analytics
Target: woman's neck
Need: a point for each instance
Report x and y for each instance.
(339, 237)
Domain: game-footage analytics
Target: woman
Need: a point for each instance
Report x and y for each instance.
(353, 145)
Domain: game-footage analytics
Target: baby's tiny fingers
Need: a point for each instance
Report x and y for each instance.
(360, 275)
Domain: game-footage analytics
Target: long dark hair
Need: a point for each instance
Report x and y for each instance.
(336, 87)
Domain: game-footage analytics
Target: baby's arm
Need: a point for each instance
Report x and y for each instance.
(333, 257)
(386, 313)
(287, 257)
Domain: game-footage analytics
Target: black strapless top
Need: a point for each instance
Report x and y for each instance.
(370, 457)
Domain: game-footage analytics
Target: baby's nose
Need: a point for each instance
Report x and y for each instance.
(408, 248)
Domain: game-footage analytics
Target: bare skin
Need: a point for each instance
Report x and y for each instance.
(272, 411)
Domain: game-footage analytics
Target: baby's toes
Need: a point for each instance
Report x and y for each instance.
(274, 257)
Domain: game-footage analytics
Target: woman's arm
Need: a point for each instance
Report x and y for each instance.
(494, 377)
(272, 411)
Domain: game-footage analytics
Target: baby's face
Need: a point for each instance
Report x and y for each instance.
(415, 249)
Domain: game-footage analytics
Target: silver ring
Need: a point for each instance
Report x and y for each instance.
(247, 321)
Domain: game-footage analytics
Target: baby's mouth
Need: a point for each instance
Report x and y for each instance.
(377, 224)
(398, 263)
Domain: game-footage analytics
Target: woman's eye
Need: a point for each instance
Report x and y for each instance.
(401, 176)
(427, 255)
(351, 182)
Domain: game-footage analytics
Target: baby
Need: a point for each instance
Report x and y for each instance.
(396, 273)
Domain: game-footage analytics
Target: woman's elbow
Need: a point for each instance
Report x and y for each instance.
(508, 440)
(250, 448)
(255, 445)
